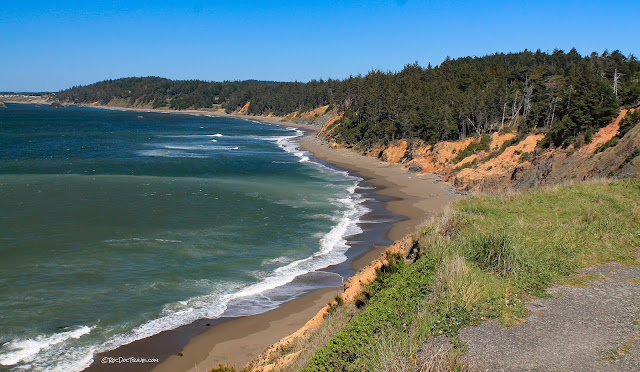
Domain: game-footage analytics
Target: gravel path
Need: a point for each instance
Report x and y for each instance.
(594, 328)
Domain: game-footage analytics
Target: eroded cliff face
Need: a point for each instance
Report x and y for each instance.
(275, 357)
(505, 162)
(508, 162)
(323, 117)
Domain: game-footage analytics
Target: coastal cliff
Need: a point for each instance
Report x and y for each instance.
(273, 359)
(498, 124)
(492, 161)
(482, 259)
(500, 161)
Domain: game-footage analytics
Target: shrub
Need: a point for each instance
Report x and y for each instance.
(495, 253)
(482, 145)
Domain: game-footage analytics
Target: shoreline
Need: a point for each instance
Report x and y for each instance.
(237, 340)
(413, 196)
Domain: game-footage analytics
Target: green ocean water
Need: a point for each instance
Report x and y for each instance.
(117, 225)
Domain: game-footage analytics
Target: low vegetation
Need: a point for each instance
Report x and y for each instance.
(474, 147)
(481, 259)
(631, 120)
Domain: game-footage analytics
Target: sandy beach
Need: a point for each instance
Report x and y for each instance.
(236, 341)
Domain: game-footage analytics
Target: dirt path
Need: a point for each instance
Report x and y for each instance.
(592, 328)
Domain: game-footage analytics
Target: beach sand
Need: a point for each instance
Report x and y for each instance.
(414, 196)
(237, 341)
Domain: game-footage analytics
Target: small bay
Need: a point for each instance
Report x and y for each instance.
(117, 225)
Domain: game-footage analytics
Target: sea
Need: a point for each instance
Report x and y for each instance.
(117, 225)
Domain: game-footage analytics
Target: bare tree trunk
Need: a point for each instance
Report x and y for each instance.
(527, 102)
(515, 111)
(553, 112)
(616, 76)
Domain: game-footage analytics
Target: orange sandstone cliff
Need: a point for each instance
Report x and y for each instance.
(519, 163)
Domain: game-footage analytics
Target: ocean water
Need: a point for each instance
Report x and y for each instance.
(117, 225)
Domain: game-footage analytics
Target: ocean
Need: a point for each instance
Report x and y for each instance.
(117, 225)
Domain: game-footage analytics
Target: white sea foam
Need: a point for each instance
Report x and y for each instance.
(190, 135)
(200, 147)
(332, 248)
(166, 153)
(175, 315)
(141, 240)
(290, 145)
(28, 350)
(278, 260)
(286, 143)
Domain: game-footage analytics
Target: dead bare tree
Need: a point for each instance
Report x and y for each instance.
(551, 112)
(616, 76)
(569, 100)
(528, 92)
(515, 111)
(504, 108)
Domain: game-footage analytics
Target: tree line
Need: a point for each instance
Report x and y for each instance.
(566, 95)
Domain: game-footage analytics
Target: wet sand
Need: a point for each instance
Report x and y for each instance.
(235, 341)
(414, 196)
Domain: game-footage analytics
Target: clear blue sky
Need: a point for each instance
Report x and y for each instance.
(48, 46)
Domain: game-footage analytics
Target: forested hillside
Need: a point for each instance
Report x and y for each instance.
(564, 95)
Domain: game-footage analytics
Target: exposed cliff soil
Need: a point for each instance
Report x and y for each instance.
(322, 117)
(244, 108)
(519, 164)
(273, 359)
(587, 162)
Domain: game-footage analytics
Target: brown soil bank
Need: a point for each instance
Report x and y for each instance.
(518, 163)
(237, 341)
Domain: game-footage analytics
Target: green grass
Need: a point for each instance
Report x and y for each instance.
(482, 145)
(482, 259)
(468, 164)
(502, 148)
(581, 280)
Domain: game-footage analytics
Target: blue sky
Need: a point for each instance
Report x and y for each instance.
(48, 46)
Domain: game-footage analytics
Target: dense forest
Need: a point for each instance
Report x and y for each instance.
(566, 95)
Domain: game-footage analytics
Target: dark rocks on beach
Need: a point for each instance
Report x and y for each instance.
(2, 105)
(414, 169)
(56, 105)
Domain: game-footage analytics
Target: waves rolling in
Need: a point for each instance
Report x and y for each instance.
(156, 227)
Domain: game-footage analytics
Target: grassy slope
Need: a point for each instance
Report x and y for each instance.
(482, 259)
